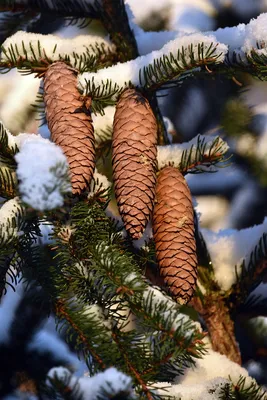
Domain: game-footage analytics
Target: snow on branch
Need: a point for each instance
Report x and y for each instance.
(7, 141)
(229, 248)
(43, 178)
(103, 124)
(99, 186)
(110, 383)
(211, 374)
(25, 50)
(11, 214)
(177, 56)
(197, 155)
(242, 38)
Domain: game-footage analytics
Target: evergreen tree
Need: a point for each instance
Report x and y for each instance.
(126, 271)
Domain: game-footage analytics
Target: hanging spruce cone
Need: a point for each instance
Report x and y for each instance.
(173, 229)
(70, 123)
(134, 160)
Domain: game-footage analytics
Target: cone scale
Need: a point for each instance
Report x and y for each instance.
(173, 231)
(70, 123)
(134, 160)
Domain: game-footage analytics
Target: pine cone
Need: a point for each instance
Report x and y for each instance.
(173, 229)
(70, 123)
(134, 160)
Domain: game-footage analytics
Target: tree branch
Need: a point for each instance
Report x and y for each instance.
(220, 326)
(61, 311)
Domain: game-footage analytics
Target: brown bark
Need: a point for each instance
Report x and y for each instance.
(173, 229)
(70, 123)
(134, 160)
(220, 326)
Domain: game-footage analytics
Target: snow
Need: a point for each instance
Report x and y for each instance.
(210, 373)
(8, 306)
(256, 33)
(123, 73)
(169, 128)
(97, 311)
(172, 154)
(53, 47)
(213, 211)
(12, 141)
(149, 41)
(229, 247)
(19, 140)
(46, 342)
(10, 215)
(190, 17)
(43, 179)
(145, 239)
(243, 38)
(143, 9)
(205, 390)
(111, 382)
(18, 102)
(99, 183)
(212, 365)
(159, 298)
(103, 124)
(18, 395)
(47, 229)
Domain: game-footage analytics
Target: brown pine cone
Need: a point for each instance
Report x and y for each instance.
(70, 123)
(134, 160)
(173, 230)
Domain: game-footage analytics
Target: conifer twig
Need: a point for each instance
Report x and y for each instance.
(133, 370)
(253, 271)
(61, 311)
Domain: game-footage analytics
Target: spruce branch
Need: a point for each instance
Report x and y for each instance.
(85, 338)
(138, 377)
(204, 156)
(152, 309)
(176, 66)
(253, 271)
(32, 58)
(150, 78)
(8, 183)
(95, 243)
(62, 386)
(201, 154)
(11, 220)
(102, 95)
(251, 63)
(6, 256)
(88, 270)
(241, 390)
(8, 148)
